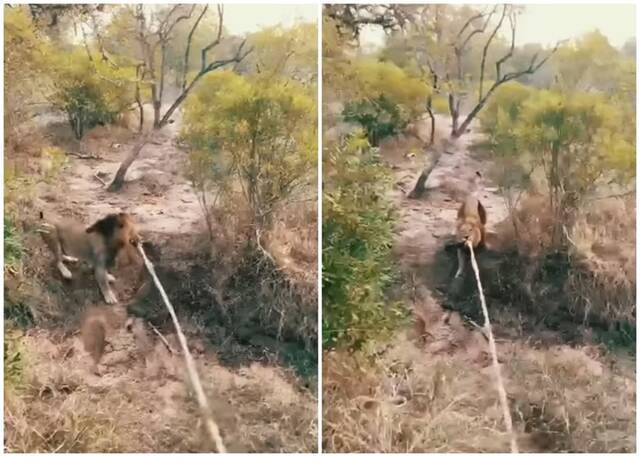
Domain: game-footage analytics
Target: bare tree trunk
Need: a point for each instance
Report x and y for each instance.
(118, 180)
(167, 115)
(459, 131)
(453, 110)
(140, 107)
(156, 114)
(141, 116)
(432, 135)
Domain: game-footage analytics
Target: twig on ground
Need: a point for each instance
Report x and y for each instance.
(479, 327)
(84, 156)
(164, 340)
(95, 175)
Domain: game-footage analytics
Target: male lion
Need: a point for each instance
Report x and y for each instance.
(98, 244)
(470, 227)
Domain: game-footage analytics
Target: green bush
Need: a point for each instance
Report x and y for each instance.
(357, 237)
(13, 249)
(260, 134)
(379, 117)
(499, 117)
(85, 108)
(13, 360)
(90, 91)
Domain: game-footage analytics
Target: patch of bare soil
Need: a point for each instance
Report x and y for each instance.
(432, 388)
(142, 401)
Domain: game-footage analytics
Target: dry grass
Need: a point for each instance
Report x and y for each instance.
(281, 272)
(562, 399)
(601, 278)
(61, 408)
(293, 241)
(604, 241)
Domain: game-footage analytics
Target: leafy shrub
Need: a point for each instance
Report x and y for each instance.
(499, 117)
(260, 135)
(13, 360)
(357, 236)
(90, 91)
(379, 117)
(13, 248)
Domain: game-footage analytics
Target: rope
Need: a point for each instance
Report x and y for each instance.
(494, 355)
(211, 425)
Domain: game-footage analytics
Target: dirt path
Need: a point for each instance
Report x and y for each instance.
(155, 191)
(425, 224)
(142, 393)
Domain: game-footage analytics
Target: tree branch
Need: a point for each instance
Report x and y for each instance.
(215, 42)
(486, 48)
(532, 68)
(188, 49)
(509, 54)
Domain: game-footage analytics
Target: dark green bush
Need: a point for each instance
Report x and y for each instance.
(13, 249)
(380, 117)
(86, 108)
(357, 236)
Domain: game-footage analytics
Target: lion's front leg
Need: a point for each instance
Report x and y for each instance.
(70, 259)
(461, 260)
(103, 283)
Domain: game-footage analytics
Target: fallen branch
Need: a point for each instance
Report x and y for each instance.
(164, 340)
(84, 156)
(95, 175)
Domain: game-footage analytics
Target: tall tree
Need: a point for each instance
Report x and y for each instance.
(153, 34)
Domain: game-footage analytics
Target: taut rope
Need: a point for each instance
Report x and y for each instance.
(494, 355)
(212, 427)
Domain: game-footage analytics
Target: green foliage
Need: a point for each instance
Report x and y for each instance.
(260, 134)
(390, 97)
(13, 248)
(377, 78)
(379, 117)
(500, 116)
(440, 104)
(586, 63)
(13, 360)
(24, 68)
(90, 91)
(285, 52)
(579, 140)
(581, 132)
(357, 235)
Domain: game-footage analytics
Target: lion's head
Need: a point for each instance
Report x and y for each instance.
(469, 231)
(118, 229)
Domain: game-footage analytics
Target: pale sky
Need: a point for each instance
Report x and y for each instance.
(548, 23)
(243, 18)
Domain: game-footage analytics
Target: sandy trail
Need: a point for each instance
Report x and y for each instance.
(425, 224)
(157, 194)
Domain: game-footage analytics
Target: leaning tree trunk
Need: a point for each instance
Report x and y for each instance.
(454, 110)
(432, 135)
(459, 131)
(118, 180)
(432, 161)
